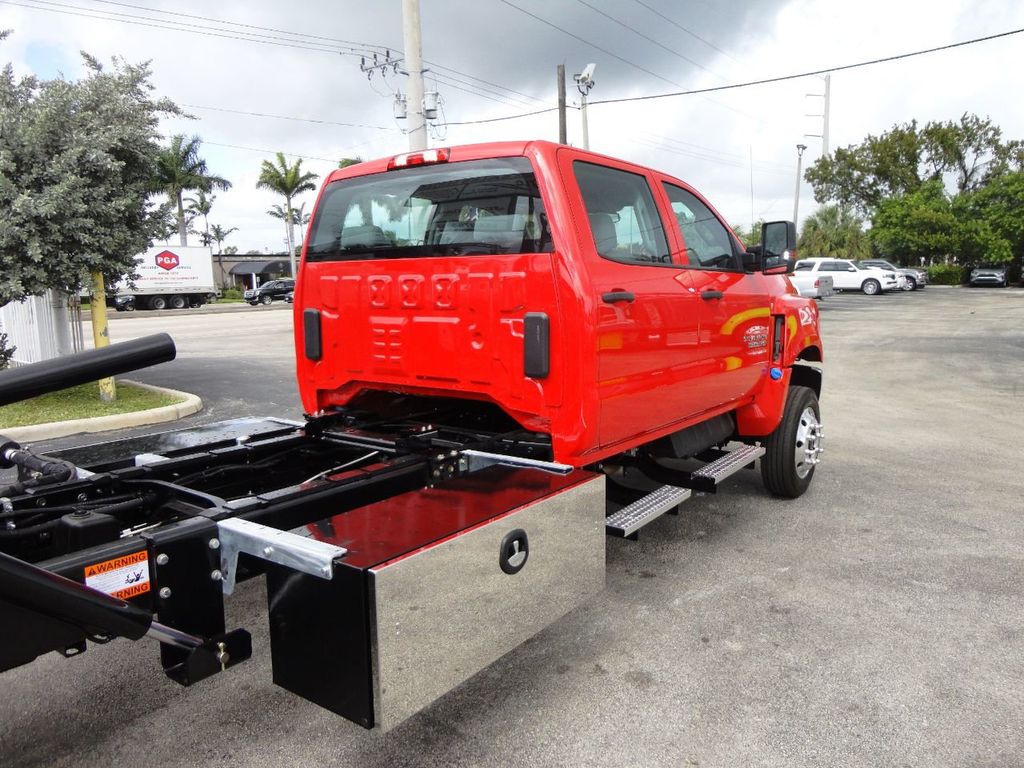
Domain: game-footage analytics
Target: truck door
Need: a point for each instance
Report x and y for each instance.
(733, 304)
(647, 317)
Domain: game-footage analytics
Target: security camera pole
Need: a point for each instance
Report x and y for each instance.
(584, 82)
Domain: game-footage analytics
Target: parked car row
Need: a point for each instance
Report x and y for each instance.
(871, 277)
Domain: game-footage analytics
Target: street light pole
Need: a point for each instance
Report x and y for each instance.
(796, 195)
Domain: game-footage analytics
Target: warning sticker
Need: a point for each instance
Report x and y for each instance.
(122, 577)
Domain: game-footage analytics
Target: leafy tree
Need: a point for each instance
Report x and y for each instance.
(289, 181)
(231, 250)
(345, 162)
(970, 152)
(1001, 205)
(219, 235)
(180, 169)
(77, 160)
(915, 226)
(836, 232)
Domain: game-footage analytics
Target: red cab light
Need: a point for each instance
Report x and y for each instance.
(426, 157)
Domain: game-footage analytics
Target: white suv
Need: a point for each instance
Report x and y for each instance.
(849, 276)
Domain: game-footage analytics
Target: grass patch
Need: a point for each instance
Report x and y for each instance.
(81, 402)
(230, 301)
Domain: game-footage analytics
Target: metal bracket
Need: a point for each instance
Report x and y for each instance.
(274, 545)
(473, 461)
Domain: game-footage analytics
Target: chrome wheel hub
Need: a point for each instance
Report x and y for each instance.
(810, 442)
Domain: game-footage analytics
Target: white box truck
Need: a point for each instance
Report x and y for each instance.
(170, 277)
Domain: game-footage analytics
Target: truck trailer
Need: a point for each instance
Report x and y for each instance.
(168, 278)
(506, 353)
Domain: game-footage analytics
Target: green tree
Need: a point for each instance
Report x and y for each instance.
(77, 162)
(1001, 205)
(180, 169)
(915, 226)
(345, 162)
(835, 232)
(289, 181)
(970, 152)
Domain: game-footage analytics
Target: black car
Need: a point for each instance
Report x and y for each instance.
(269, 292)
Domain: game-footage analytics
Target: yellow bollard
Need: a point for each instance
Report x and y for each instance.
(100, 331)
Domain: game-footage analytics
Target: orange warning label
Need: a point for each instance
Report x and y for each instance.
(123, 577)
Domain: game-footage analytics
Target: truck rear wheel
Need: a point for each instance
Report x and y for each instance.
(158, 302)
(178, 302)
(793, 450)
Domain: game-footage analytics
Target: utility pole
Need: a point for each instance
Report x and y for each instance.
(799, 164)
(826, 99)
(414, 67)
(560, 78)
(584, 82)
(824, 125)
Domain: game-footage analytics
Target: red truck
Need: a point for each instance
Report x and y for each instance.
(505, 352)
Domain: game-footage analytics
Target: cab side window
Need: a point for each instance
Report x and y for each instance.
(707, 241)
(623, 216)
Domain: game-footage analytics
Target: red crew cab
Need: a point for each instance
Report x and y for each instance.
(601, 303)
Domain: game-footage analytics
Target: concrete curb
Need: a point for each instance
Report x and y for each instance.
(54, 429)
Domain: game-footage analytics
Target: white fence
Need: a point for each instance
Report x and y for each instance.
(43, 327)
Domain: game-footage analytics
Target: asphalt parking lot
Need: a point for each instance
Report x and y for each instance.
(878, 620)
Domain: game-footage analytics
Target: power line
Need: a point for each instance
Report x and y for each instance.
(638, 33)
(690, 32)
(285, 117)
(828, 70)
(78, 11)
(302, 41)
(241, 24)
(587, 42)
(750, 83)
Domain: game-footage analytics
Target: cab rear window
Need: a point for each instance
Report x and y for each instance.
(477, 207)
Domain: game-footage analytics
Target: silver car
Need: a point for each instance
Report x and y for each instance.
(915, 278)
(991, 274)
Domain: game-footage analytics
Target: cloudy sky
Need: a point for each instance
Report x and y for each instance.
(261, 77)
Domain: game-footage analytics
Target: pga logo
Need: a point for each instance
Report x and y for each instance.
(167, 260)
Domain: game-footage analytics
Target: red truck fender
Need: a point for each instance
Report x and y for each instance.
(801, 342)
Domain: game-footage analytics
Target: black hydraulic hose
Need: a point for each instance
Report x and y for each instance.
(95, 613)
(18, 384)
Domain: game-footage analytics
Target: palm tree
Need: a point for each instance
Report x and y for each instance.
(288, 181)
(201, 205)
(181, 169)
(218, 234)
(835, 232)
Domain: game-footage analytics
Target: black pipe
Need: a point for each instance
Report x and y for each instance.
(37, 590)
(18, 384)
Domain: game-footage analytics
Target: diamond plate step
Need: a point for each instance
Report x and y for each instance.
(632, 518)
(730, 464)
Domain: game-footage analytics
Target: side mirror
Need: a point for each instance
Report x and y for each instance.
(778, 240)
(851, 269)
(752, 259)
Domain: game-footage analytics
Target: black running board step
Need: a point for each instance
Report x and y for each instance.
(628, 520)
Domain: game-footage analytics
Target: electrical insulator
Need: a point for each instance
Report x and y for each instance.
(430, 105)
(400, 110)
